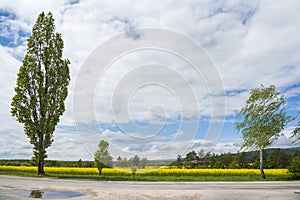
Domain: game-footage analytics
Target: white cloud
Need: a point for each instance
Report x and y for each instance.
(251, 43)
(268, 51)
(286, 140)
(68, 145)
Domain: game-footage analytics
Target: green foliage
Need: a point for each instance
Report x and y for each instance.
(191, 159)
(14, 162)
(122, 162)
(263, 119)
(295, 166)
(79, 163)
(179, 162)
(101, 157)
(42, 86)
(134, 161)
(241, 161)
(273, 158)
(133, 170)
(278, 159)
(34, 161)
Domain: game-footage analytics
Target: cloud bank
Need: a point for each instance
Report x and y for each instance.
(250, 43)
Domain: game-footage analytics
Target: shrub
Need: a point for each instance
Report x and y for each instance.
(294, 167)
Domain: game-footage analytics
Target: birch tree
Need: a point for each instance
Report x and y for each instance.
(263, 119)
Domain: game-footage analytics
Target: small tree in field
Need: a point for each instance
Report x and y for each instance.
(143, 163)
(263, 120)
(179, 162)
(136, 161)
(101, 157)
(42, 87)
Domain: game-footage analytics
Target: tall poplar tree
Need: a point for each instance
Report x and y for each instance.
(263, 120)
(42, 86)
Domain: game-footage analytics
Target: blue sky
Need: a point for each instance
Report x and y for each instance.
(151, 101)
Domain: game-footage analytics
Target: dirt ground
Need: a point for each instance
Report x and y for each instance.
(153, 190)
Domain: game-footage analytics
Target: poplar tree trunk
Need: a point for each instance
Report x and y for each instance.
(41, 167)
(100, 171)
(261, 161)
(41, 156)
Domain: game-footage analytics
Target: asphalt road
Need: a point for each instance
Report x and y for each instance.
(152, 190)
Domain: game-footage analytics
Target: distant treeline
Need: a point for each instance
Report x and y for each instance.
(48, 163)
(134, 161)
(273, 158)
(121, 162)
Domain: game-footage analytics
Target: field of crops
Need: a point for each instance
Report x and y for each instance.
(147, 171)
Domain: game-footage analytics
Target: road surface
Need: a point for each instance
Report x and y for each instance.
(152, 190)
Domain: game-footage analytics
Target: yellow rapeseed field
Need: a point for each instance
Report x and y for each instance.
(217, 172)
(147, 171)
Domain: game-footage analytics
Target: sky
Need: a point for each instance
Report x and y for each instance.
(154, 79)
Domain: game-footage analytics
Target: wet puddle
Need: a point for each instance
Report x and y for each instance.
(43, 194)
